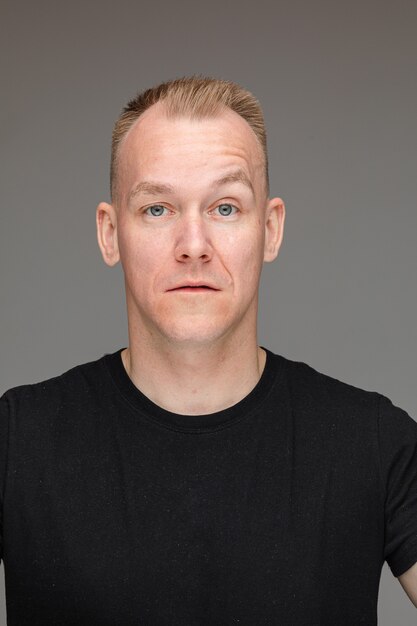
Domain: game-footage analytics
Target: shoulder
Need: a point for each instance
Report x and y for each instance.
(52, 392)
(364, 419)
(311, 388)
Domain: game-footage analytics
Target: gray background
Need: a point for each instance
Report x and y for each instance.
(338, 85)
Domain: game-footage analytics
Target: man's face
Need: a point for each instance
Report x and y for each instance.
(191, 210)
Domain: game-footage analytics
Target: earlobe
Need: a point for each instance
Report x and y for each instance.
(106, 221)
(274, 228)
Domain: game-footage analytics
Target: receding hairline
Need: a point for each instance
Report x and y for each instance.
(168, 114)
(194, 97)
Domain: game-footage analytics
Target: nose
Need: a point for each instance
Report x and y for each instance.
(193, 241)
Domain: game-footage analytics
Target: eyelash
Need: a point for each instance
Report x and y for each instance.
(216, 207)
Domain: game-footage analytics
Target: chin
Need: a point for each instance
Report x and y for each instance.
(193, 334)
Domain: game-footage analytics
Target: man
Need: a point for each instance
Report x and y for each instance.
(195, 477)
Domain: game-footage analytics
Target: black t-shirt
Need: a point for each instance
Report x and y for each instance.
(278, 510)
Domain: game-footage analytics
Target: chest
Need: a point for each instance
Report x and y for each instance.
(252, 525)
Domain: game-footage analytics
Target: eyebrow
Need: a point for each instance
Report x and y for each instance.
(237, 176)
(150, 188)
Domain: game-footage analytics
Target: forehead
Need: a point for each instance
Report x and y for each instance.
(174, 147)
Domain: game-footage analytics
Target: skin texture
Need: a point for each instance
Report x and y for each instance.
(191, 352)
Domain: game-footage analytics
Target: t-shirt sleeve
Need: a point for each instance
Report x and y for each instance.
(4, 428)
(398, 459)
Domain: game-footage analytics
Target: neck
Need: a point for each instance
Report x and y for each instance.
(195, 380)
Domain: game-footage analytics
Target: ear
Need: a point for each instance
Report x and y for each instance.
(106, 220)
(274, 228)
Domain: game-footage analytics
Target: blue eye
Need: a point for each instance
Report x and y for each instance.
(156, 210)
(226, 209)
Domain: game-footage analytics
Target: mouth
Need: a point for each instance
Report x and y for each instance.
(196, 289)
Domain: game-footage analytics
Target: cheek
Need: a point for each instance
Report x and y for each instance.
(244, 257)
(139, 255)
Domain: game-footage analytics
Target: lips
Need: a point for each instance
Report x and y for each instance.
(195, 290)
(197, 286)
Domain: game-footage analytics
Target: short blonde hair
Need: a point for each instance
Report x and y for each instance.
(195, 97)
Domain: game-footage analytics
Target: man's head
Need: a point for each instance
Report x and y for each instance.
(194, 98)
(189, 207)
